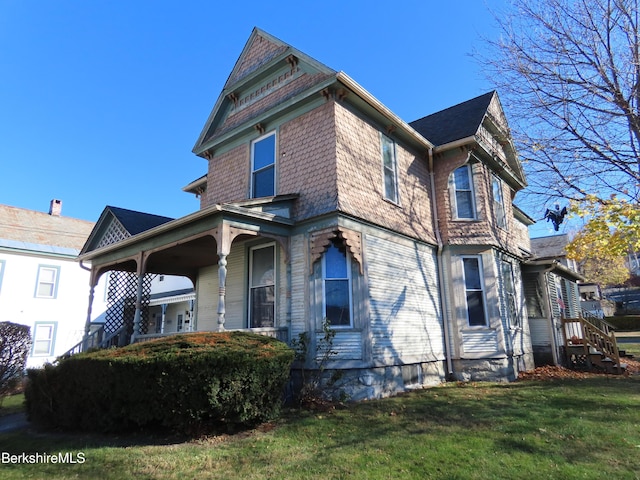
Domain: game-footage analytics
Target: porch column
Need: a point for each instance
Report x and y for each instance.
(87, 324)
(138, 314)
(164, 316)
(222, 280)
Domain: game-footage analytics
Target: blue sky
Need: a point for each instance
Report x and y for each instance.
(102, 101)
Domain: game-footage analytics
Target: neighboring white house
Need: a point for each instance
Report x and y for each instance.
(42, 285)
(171, 304)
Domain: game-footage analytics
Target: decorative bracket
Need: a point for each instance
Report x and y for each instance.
(351, 240)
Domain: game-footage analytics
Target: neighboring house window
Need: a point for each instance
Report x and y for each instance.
(463, 188)
(47, 284)
(510, 293)
(2, 262)
(336, 286)
(44, 335)
(262, 287)
(474, 290)
(389, 169)
(263, 166)
(498, 203)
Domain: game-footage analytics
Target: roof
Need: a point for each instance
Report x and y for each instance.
(454, 123)
(32, 230)
(137, 222)
(549, 247)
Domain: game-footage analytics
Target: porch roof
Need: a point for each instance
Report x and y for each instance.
(183, 245)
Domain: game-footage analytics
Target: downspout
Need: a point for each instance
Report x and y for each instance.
(444, 301)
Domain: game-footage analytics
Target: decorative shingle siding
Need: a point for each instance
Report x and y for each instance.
(307, 161)
(259, 53)
(228, 176)
(360, 182)
(406, 322)
(483, 230)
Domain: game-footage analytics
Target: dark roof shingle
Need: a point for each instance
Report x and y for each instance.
(454, 123)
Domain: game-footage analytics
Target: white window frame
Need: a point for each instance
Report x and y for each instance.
(261, 169)
(54, 283)
(482, 290)
(499, 207)
(471, 192)
(390, 171)
(50, 340)
(349, 287)
(251, 286)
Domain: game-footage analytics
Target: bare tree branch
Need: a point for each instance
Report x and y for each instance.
(568, 72)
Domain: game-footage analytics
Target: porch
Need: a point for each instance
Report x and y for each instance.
(235, 258)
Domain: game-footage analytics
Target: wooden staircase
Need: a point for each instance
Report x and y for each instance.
(590, 344)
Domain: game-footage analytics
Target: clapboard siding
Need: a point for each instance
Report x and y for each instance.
(235, 305)
(345, 346)
(207, 297)
(476, 342)
(299, 281)
(403, 293)
(539, 332)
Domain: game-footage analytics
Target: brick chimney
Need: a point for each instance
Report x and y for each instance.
(55, 209)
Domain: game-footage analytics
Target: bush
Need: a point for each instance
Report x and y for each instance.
(183, 382)
(625, 322)
(15, 343)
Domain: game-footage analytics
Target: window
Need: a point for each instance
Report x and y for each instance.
(474, 291)
(463, 188)
(389, 169)
(336, 286)
(498, 203)
(262, 286)
(43, 338)
(508, 280)
(47, 284)
(263, 166)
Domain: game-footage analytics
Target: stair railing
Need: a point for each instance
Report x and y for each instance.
(591, 335)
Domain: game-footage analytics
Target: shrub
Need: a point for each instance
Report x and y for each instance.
(625, 322)
(183, 382)
(15, 343)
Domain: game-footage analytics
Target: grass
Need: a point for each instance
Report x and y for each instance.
(12, 404)
(587, 429)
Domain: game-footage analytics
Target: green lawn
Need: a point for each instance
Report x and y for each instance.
(12, 404)
(587, 429)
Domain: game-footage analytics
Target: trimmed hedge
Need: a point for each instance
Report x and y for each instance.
(182, 383)
(625, 322)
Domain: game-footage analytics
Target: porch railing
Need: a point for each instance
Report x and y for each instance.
(98, 339)
(581, 332)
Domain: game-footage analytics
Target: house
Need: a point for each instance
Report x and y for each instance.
(552, 291)
(320, 204)
(41, 283)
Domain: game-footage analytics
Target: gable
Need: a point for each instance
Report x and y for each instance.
(259, 50)
(115, 224)
(267, 77)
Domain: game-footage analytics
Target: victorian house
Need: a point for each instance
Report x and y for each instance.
(319, 204)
